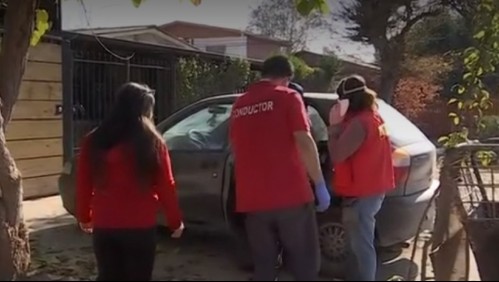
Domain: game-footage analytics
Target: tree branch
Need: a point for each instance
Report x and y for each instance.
(19, 23)
(410, 23)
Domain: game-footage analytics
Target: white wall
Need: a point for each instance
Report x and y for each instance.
(235, 46)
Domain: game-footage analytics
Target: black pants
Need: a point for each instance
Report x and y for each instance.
(125, 254)
(295, 230)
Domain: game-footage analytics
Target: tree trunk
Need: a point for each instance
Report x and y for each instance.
(391, 56)
(388, 83)
(14, 243)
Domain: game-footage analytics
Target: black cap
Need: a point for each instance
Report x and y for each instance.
(296, 87)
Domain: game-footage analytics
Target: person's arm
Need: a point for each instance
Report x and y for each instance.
(84, 184)
(166, 191)
(300, 125)
(343, 144)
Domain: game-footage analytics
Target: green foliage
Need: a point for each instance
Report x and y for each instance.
(281, 19)
(472, 97)
(317, 79)
(305, 7)
(438, 35)
(197, 78)
(302, 70)
(137, 3)
(490, 127)
(42, 25)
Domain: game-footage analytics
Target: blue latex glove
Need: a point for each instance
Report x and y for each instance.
(322, 196)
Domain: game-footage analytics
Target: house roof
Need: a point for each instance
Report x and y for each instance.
(232, 30)
(116, 32)
(345, 59)
(147, 47)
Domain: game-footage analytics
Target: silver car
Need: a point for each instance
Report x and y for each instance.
(197, 137)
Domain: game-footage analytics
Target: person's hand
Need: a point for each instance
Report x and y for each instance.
(322, 195)
(178, 233)
(87, 227)
(338, 111)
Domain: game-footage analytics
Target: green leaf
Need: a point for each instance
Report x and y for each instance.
(460, 105)
(42, 25)
(196, 2)
(460, 89)
(305, 7)
(452, 101)
(467, 75)
(443, 139)
(480, 34)
(485, 94)
(479, 71)
(137, 3)
(323, 6)
(456, 120)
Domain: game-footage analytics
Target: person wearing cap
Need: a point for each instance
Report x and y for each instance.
(299, 89)
(361, 154)
(274, 156)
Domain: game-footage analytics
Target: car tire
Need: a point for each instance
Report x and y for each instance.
(332, 243)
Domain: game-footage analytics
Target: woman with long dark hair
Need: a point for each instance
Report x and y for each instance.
(361, 153)
(123, 176)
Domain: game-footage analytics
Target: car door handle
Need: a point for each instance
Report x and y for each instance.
(209, 164)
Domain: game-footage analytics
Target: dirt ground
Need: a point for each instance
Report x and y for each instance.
(62, 253)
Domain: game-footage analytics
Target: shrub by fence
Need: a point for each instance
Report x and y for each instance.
(198, 78)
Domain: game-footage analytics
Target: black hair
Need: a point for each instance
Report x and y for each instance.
(277, 66)
(128, 122)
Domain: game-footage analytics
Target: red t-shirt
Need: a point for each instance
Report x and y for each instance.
(268, 167)
(120, 202)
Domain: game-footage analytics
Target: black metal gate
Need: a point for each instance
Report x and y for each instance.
(95, 75)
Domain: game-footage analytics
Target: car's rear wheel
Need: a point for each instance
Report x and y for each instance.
(332, 239)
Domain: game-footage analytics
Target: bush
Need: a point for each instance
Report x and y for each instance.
(490, 127)
(198, 78)
(317, 79)
(302, 70)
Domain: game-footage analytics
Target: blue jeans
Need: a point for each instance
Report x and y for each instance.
(359, 219)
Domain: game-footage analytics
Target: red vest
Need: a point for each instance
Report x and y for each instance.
(369, 171)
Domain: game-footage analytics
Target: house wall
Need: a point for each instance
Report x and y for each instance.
(259, 49)
(34, 136)
(235, 46)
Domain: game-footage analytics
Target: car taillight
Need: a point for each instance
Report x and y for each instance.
(402, 165)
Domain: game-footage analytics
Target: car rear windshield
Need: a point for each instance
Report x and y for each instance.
(402, 131)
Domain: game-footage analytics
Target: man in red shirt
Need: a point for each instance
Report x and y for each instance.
(273, 152)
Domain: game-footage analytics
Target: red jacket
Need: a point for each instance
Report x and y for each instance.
(369, 171)
(120, 203)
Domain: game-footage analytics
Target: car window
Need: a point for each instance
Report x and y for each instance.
(206, 129)
(402, 131)
(318, 126)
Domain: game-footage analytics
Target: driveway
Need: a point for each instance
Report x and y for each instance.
(62, 252)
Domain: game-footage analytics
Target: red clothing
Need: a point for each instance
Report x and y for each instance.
(120, 203)
(268, 168)
(369, 171)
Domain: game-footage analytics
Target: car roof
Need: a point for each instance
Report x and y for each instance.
(307, 95)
